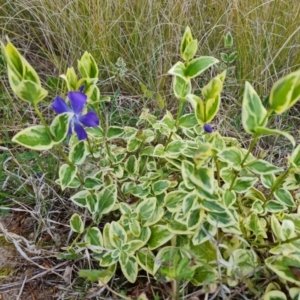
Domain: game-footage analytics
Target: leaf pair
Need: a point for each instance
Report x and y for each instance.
(23, 79)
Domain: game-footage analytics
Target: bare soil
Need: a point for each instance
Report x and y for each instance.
(24, 273)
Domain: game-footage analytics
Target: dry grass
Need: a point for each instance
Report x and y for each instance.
(146, 34)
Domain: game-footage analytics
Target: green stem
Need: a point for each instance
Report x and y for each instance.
(278, 182)
(296, 238)
(218, 171)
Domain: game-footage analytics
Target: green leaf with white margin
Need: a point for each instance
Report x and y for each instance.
(198, 106)
(95, 132)
(220, 219)
(60, 126)
(76, 223)
(80, 198)
(287, 230)
(66, 175)
(204, 233)
(209, 205)
(106, 199)
(131, 165)
(105, 233)
(178, 70)
(117, 235)
(75, 183)
(93, 238)
(254, 224)
(168, 258)
(132, 246)
(146, 208)
(130, 269)
(92, 183)
(212, 94)
(213, 89)
(173, 200)
(284, 197)
(267, 180)
(91, 201)
(181, 88)
(273, 206)
(283, 266)
(204, 274)
(78, 153)
(198, 66)
(229, 198)
(232, 155)
(267, 131)
(242, 263)
(160, 186)
(15, 61)
(285, 92)
(30, 91)
(243, 184)
(212, 107)
(190, 201)
(133, 145)
(257, 207)
(294, 293)
(274, 295)
(155, 217)
(295, 157)
(109, 259)
(276, 227)
(159, 236)
(34, 137)
(203, 178)
(175, 148)
(178, 228)
(190, 50)
(186, 40)
(87, 66)
(187, 169)
(135, 227)
(253, 112)
(187, 121)
(145, 259)
(262, 167)
(71, 79)
(194, 218)
(114, 132)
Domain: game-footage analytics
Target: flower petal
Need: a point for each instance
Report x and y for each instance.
(90, 119)
(81, 133)
(60, 106)
(78, 101)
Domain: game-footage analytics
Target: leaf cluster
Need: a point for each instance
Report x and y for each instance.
(188, 205)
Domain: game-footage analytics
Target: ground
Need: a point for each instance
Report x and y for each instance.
(23, 275)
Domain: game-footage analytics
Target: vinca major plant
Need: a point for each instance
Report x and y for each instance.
(172, 197)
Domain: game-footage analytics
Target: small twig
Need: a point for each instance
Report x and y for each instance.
(22, 288)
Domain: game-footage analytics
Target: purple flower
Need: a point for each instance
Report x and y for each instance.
(78, 101)
(207, 128)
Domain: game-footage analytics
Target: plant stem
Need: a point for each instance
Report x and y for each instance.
(296, 238)
(218, 171)
(278, 182)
